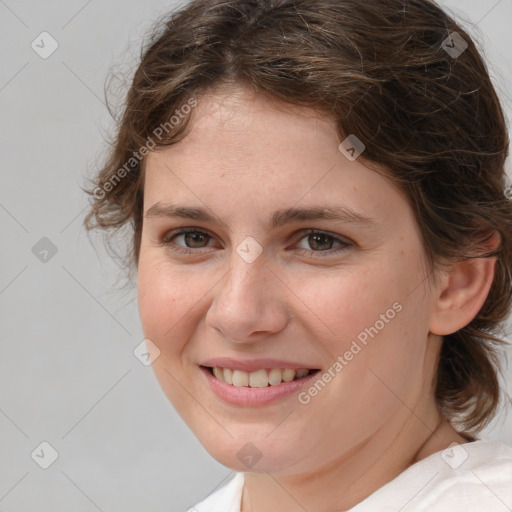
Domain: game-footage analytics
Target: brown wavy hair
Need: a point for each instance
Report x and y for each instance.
(382, 71)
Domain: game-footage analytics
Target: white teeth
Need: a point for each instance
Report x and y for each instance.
(228, 375)
(274, 377)
(288, 375)
(240, 378)
(259, 378)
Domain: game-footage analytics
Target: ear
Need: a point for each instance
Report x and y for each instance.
(463, 290)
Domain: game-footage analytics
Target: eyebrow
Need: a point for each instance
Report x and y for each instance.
(278, 218)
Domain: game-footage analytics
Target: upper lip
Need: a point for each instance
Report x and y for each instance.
(253, 364)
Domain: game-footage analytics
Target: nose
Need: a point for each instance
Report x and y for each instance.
(249, 303)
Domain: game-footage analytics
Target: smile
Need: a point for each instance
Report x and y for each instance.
(257, 387)
(259, 378)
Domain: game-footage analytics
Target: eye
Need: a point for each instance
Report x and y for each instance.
(192, 238)
(321, 244)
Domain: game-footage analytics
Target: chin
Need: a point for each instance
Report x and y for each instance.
(244, 453)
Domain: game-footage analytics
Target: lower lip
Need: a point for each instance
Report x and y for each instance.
(248, 396)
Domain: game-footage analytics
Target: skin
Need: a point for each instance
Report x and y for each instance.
(244, 158)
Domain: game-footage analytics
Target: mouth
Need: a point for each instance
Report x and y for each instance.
(261, 378)
(255, 382)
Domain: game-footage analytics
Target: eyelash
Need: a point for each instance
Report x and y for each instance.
(186, 250)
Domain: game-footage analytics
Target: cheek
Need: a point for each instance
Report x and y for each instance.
(379, 329)
(344, 304)
(166, 299)
(168, 304)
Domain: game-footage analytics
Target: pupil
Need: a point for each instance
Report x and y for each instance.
(318, 238)
(191, 238)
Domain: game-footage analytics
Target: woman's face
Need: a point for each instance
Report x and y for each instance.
(254, 291)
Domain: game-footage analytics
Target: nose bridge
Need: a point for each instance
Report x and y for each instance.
(246, 302)
(245, 281)
(248, 266)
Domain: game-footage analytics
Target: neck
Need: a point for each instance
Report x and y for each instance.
(354, 475)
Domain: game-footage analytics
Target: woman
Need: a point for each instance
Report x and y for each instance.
(323, 249)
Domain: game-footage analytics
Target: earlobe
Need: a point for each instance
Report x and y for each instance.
(463, 292)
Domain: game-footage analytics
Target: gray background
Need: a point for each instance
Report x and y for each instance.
(68, 373)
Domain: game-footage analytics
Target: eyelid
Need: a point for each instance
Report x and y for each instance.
(344, 242)
(179, 231)
(166, 239)
(313, 231)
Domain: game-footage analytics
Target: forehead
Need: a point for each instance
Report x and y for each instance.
(243, 147)
(235, 122)
(235, 130)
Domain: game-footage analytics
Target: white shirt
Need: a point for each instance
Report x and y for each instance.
(472, 477)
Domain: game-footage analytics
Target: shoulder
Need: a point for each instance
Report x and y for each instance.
(477, 475)
(472, 477)
(225, 499)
